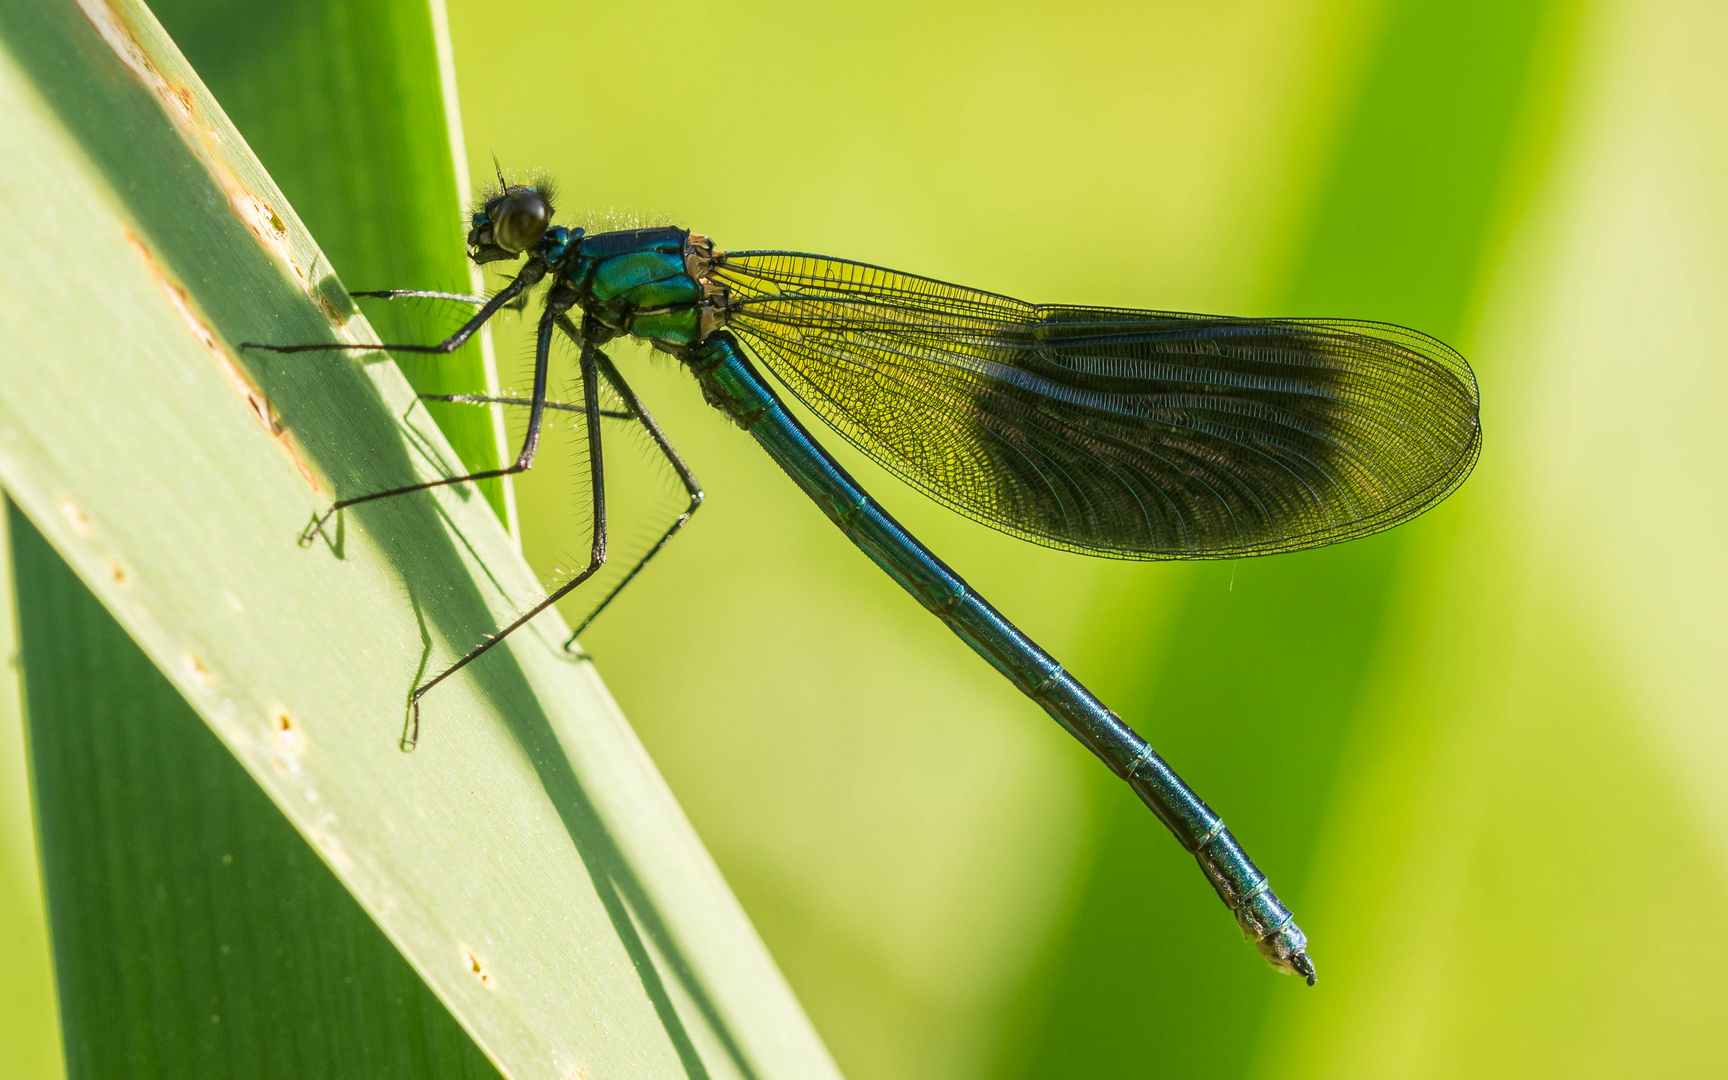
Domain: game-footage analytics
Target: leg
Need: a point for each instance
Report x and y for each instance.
(692, 487)
(591, 357)
(481, 399)
(522, 283)
(422, 294)
(517, 304)
(556, 304)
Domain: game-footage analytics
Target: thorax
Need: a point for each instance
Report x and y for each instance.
(648, 283)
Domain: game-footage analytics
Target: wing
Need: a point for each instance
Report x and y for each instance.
(1132, 434)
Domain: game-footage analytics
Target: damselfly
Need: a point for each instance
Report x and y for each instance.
(1114, 432)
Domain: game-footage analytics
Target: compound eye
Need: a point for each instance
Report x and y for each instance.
(520, 219)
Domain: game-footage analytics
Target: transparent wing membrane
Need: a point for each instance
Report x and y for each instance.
(1131, 434)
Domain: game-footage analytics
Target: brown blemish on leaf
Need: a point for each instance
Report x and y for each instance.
(263, 222)
(476, 968)
(333, 300)
(286, 740)
(77, 518)
(332, 848)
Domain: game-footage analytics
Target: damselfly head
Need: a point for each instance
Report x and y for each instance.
(510, 221)
(520, 219)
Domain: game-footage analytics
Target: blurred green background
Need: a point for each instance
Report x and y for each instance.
(1482, 757)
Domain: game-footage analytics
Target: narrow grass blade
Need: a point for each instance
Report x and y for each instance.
(29, 1028)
